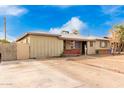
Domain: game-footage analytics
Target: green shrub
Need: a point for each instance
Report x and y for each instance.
(4, 41)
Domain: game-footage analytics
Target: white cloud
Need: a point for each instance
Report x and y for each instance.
(74, 24)
(110, 9)
(12, 10)
(114, 12)
(9, 37)
(55, 30)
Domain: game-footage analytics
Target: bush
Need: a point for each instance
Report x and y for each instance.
(4, 41)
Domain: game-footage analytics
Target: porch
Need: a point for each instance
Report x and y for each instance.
(74, 48)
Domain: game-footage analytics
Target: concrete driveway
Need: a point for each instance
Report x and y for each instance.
(83, 71)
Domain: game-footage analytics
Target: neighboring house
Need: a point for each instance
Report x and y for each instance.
(44, 44)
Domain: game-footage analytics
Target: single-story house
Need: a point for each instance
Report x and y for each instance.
(43, 44)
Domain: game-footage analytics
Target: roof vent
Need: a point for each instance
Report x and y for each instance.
(65, 32)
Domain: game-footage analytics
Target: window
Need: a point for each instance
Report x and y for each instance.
(91, 43)
(103, 44)
(77, 44)
(70, 45)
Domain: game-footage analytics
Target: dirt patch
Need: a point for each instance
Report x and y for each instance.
(20, 66)
(114, 70)
(83, 71)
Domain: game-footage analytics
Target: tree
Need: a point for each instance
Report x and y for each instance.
(118, 36)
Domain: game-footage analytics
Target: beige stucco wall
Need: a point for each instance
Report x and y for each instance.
(14, 51)
(8, 51)
(97, 44)
(91, 50)
(22, 51)
(45, 46)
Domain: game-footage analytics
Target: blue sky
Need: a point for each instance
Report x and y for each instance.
(87, 19)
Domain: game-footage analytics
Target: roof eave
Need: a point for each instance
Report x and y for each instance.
(37, 34)
(103, 39)
(24, 35)
(76, 39)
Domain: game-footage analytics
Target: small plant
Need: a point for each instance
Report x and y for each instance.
(61, 55)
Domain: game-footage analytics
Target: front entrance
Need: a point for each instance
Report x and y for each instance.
(84, 43)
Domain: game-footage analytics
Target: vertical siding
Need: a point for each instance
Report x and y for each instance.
(22, 54)
(43, 46)
(91, 50)
(97, 44)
